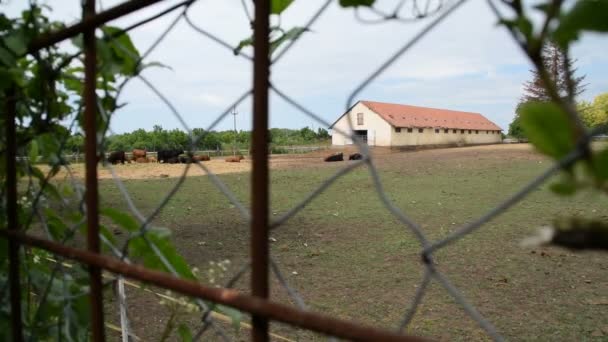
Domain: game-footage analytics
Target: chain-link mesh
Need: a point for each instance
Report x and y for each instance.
(402, 12)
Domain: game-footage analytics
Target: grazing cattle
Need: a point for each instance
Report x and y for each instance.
(117, 156)
(201, 158)
(335, 157)
(141, 160)
(164, 155)
(185, 159)
(137, 153)
(151, 160)
(235, 159)
(355, 156)
(172, 160)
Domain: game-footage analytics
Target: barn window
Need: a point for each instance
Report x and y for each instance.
(409, 130)
(469, 131)
(462, 131)
(420, 130)
(436, 130)
(454, 131)
(488, 132)
(446, 130)
(476, 132)
(398, 129)
(359, 119)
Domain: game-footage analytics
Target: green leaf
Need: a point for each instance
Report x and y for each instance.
(17, 42)
(184, 333)
(73, 84)
(57, 228)
(279, 6)
(124, 52)
(138, 247)
(33, 152)
(234, 314)
(548, 128)
(124, 220)
(588, 15)
(242, 44)
(355, 3)
(6, 57)
(103, 230)
(525, 26)
(292, 34)
(600, 165)
(143, 66)
(5, 23)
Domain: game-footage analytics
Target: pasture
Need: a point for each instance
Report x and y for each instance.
(348, 256)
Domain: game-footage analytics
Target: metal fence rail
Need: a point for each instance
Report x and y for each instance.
(258, 304)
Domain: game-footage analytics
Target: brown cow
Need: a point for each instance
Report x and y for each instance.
(137, 153)
(201, 158)
(235, 159)
(141, 160)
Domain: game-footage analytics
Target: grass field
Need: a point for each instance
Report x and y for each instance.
(349, 257)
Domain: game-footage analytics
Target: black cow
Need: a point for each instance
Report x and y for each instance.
(185, 159)
(164, 155)
(117, 156)
(335, 157)
(172, 160)
(355, 156)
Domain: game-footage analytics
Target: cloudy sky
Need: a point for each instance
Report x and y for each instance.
(466, 63)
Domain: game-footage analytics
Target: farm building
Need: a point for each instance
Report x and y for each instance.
(395, 125)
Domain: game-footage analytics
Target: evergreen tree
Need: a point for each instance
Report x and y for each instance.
(561, 72)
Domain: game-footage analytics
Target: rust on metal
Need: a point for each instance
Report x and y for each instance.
(11, 215)
(92, 191)
(259, 182)
(254, 305)
(89, 23)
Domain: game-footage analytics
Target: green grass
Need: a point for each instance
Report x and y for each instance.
(355, 260)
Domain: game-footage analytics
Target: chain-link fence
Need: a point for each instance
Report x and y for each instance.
(262, 265)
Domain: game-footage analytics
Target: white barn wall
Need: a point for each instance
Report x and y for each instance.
(379, 131)
(429, 137)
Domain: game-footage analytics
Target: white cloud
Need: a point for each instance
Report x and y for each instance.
(465, 63)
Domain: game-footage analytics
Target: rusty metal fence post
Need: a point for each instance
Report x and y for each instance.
(11, 215)
(92, 192)
(259, 181)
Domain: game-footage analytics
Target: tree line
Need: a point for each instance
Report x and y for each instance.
(161, 139)
(563, 74)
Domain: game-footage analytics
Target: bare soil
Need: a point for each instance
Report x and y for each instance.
(383, 156)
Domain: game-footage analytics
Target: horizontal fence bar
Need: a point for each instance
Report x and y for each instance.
(274, 311)
(89, 23)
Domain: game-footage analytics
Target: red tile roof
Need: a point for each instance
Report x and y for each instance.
(413, 116)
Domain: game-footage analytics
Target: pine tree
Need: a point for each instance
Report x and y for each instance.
(561, 69)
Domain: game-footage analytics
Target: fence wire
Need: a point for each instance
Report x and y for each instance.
(402, 12)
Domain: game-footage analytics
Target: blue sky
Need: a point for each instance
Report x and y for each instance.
(467, 63)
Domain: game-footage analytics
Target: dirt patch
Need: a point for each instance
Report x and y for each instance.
(384, 157)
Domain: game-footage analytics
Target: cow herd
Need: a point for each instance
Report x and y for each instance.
(173, 156)
(176, 156)
(340, 157)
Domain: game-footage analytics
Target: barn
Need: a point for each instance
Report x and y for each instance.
(397, 125)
